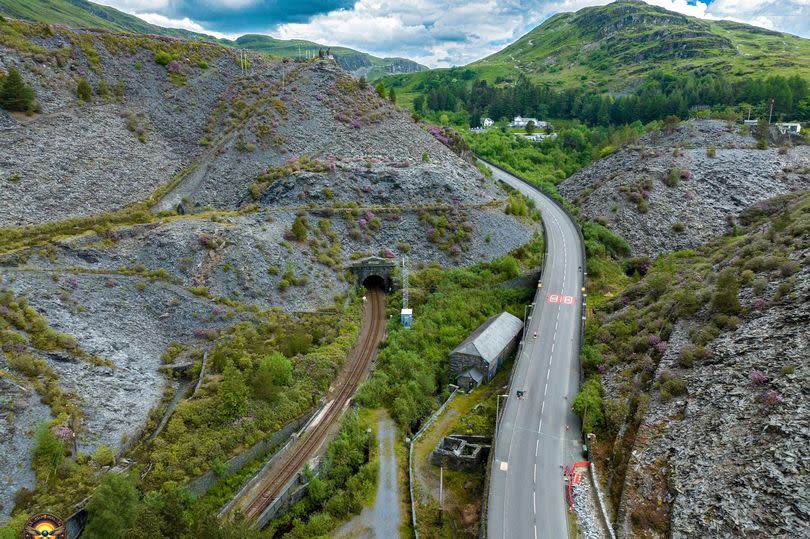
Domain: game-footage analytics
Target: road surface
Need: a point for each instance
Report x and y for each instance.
(539, 434)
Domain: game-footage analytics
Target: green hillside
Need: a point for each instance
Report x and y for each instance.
(613, 47)
(83, 14)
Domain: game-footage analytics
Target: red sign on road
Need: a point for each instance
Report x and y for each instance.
(560, 299)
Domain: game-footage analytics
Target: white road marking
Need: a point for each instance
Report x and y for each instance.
(504, 466)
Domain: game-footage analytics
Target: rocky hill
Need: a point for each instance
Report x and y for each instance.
(178, 196)
(703, 364)
(616, 45)
(678, 188)
(89, 15)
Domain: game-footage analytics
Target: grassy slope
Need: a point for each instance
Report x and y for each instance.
(83, 14)
(612, 47)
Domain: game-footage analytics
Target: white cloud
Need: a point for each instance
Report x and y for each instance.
(184, 23)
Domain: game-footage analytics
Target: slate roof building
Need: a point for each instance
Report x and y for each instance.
(477, 358)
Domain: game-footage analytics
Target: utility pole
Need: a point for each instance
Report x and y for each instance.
(771, 112)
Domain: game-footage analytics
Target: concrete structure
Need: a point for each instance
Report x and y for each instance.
(461, 451)
(374, 271)
(487, 347)
(750, 122)
(789, 127)
(406, 317)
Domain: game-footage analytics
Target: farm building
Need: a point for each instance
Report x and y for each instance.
(479, 356)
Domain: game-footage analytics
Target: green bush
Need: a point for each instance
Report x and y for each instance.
(674, 387)
(83, 90)
(725, 299)
(112, 509)
(299, 228)
(104, 456)
(48, 452)
(163, 58)
(15, 95)
(673, 178)
(711, 151)
(588, 405)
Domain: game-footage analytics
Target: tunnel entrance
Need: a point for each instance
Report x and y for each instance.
(374, 272)
(374, 281)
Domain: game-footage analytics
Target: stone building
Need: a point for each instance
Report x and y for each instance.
(479, 356)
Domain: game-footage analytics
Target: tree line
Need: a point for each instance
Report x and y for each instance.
(660, 95)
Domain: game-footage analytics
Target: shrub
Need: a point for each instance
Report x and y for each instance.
(772, 398)
(678, 227)
(104, 456)
(758, 378)
(725, 296)
(672, 388)
(15, 94)
(232, 393)
(588, 405)
(163, 58)
(299, 228)
(762, 144)
(112, 508)
(48, 452)
(672, 179)
(83, 90)
(711, 151)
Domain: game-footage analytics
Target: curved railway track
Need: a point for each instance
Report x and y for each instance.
(359, 360)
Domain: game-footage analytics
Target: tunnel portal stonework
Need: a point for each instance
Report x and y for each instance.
(374, 266)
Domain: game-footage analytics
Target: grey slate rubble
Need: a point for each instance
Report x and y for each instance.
(717, 190)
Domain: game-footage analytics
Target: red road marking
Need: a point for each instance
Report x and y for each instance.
(559, 299)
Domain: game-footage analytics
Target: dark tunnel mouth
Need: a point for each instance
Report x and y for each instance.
(374, 281)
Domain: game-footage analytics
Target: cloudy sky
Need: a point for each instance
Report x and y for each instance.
(434, 32)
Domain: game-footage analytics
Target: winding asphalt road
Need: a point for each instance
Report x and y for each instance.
(539, 435)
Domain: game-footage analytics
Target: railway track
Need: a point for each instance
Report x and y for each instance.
(267, 489)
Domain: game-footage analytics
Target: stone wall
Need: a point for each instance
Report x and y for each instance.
(461, 362)
(461, 451)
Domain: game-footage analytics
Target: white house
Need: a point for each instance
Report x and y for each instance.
(520, 123)
(789, 127)
(488, 122)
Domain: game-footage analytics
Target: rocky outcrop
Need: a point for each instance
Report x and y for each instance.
(677, 190)
(709, 410)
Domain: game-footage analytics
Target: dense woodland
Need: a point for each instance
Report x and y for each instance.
(467, 99)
